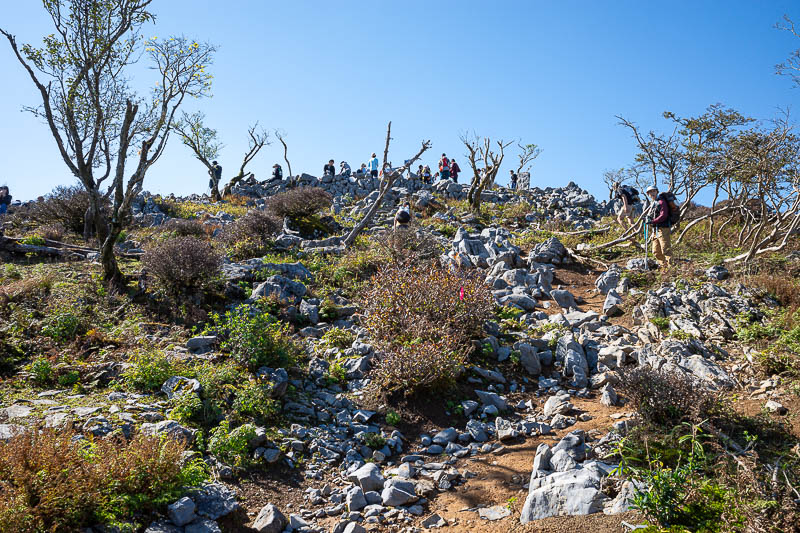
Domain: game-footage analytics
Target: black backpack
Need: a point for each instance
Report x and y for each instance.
(631, 193)
(403, 217)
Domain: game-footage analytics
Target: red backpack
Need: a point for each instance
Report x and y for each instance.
(444, 164)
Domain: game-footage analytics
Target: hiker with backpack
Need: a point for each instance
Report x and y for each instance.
(444, 168)
(666, 215)
(514, 179)
(403, 216)
(629, 196)
(426, 174)
(216, 175)
(277, 172)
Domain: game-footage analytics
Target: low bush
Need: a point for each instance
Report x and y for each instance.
(250, 236)
(231, 446)
(51, 482)
(253, 401)
(298, 203)
(149, 369)
(254, 338)
(65, 206)
(424, 317)
(666, 398)
(183, 265)
(186, 228)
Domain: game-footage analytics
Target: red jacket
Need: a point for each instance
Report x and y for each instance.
(662, 213)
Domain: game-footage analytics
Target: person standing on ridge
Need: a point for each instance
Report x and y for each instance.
(5, 200)
(329, 169)
(514, 179)
(444, 168)
(373, 165)
(216, 175)
(662, 246)
(454, 170)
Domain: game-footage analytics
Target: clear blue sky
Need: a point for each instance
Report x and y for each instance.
(332, 74)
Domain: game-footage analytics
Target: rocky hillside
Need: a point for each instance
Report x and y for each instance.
(473, 371)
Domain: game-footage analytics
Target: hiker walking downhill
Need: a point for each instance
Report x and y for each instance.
(444, 168)
(373, 165)
(454, 170)
(629, 196)
(5, 200)
(666, 214)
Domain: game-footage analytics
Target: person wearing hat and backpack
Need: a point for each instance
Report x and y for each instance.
(629, 196)
(444, 168)
(666, 214)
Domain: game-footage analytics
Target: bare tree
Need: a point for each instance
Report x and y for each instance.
(257, 139)
(528, 153)
(97, 121)
(612, 178)
(203, 142)
(485, 163)
(282, 138)
(387, 180)
(790, 67)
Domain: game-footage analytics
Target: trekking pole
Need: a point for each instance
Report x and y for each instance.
(646, 265)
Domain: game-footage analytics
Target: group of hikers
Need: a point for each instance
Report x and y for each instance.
(447, 169)
(662, 214)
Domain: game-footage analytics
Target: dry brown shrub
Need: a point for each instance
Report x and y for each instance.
(298, 203)
(667, 398)
(424, 317)
(183, 265)
(51, 482)
(249, 236)
(187, 228)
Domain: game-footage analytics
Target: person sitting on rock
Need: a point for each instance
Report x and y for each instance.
(403, 216)
(329, 169)
(344, 169)
(5, 200)
(277, 172)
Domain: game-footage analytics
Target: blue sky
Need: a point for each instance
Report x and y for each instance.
(332, 74)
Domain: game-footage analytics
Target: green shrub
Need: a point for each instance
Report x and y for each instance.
(42, 371)
(187, 407)
(662, 323)
(63, 325)
(254, 401)
(337, 373)
(231, 446)
(69, 379)
(149, 370)
(336, 338)
(392, 418)
(255, 338)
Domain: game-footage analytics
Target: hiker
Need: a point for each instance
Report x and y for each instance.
(661, 221)
(373, 165)
(629, 196)
(277, 172)
(444, 167)
(419, 173)
(344, 169)
(362, 170)
(514, 179)
(216, 174)
(454, 170)
(5, 200)
(329, 169)
(426, 174)
(403, 216)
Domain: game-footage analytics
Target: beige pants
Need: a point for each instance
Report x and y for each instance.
(662, 246)
(625, 214)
